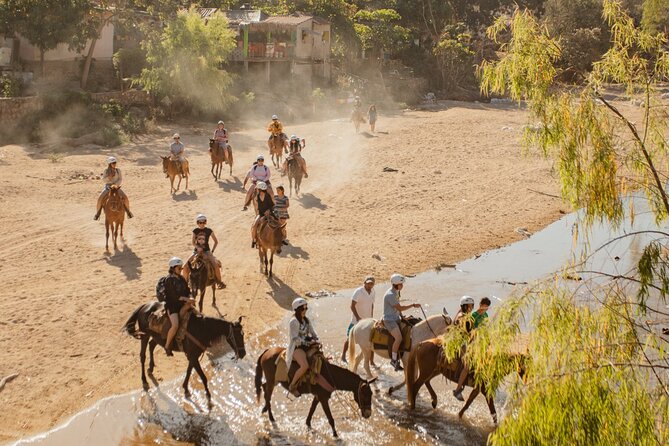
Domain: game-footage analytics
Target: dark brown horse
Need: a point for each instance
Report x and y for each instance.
(206, 330)
(200, 278)
(269, 238)
(295, 174)
(339, 378)
(277, 146)
(431, 362)
(114, 216)
(218, 158)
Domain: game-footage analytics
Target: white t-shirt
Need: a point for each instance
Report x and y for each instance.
(364, 302)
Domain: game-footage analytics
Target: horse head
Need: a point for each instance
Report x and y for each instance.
(235, 338)
(363, 397)
(166, 163)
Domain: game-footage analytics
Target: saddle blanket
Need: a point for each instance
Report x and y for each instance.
(382, 339)
(314, 357)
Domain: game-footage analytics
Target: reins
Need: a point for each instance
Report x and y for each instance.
(428, 322)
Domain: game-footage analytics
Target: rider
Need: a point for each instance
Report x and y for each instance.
(263, 204)
(177, 299)
(362, 307)
(392, 314)
(221, 139)
(301, 337)
(281, 205)
(112, 177)
(258, 172)
(295, 151)
(201, 236)
(357, 103)
(276, 128)
(177, 153)
(464, 318)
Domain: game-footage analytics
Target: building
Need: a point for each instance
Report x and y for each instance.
(297, 45)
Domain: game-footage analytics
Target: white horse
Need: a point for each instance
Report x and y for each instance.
(432, 327)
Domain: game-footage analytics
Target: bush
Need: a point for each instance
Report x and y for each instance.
(10, 86)
(111, 136)
(129, 62)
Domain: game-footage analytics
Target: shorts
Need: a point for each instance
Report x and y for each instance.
(391, 325)
(349, 328)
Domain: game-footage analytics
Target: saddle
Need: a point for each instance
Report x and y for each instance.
(209, 265)
(159, 322)
(315, 358)
(381, 338)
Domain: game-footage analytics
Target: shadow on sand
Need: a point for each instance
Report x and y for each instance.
(127, 261)
(295, 252)
(282, 294)
(309, 201)
(187, 195)
(230, 185)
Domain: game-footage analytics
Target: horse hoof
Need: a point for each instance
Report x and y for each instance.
(335, 434)
(187, 393)
(145, 386)
(434, 404)
(390, 391)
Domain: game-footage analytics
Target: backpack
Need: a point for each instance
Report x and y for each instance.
(161, 293)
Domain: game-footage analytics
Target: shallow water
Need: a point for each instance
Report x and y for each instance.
(163, 416)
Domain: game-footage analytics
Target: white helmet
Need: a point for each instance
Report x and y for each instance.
(261, 185)
(175, 261)
(111, 160)
(397, 279)
(297, 303)
(175, 136)
(201, 217)
(293, 137)
(221, 122)
(275, 117)
(466, 300)
(260, 158)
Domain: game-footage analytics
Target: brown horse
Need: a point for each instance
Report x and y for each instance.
(269, 238)
(200, 278)
(295, 174)
(431, 362)
(218, 158)
(114, 216)
(338, 377)
(357, 118)
(171, 168)
(277, 147)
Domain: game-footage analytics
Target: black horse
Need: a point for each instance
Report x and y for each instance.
(200, 278)
(338, 377)
(207, 330)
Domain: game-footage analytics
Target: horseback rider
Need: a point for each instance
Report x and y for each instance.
(295, 152)
(301, 337)
(392, 314)
(281, 205)
(357, 102)
(275, 128)
(112, 176)
(177, 153)
(464, 318)
(177, 299)
(258, 172)
(200, 241)
(221, 139)
(263, 202)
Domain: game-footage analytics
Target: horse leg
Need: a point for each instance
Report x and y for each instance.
(368, 357)
(213, 166)
(491, 405)
(115, 234)
(152, 347)
(142, 359)
(122, 238)
(203, 378)
(396, 387)
(213, 295)
(172, 185)
(356, 362)
(328, 413)
(106, 234)
(185, 384)
(312, 409)
(178, 184)
(271, 263)
(269, 389)
(202, 291)
(470, 399)
(433, 394)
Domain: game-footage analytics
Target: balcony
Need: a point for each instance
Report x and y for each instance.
(263, 51)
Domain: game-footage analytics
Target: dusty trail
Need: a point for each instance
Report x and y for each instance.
(461, 189)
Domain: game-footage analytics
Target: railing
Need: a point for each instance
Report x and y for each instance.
(263, 51)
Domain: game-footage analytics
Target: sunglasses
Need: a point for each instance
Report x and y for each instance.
(201, 222)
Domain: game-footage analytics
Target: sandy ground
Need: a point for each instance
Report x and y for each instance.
(462, 188)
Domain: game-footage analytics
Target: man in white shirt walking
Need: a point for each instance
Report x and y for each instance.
(362, 307)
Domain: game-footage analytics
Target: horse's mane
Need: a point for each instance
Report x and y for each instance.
(208, 329)
(347, 374)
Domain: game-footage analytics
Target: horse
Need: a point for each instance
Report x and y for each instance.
(269, 238)
(200, 278)
(338, 377)
(203, 330)
(218, 158)
(357, 118)
(277, 146)
(431, 362)
(114, 216)
(295, 173)
(360, 334)
(171, 168)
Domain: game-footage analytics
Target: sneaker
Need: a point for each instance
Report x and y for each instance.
(244, 208)
(253, 244)
(129, 214)
(458, 395)
(284, 242)
(221, 285)
(397, 365)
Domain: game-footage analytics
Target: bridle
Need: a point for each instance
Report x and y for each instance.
(230, 337)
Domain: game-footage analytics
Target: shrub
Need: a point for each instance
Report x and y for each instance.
(11, 87)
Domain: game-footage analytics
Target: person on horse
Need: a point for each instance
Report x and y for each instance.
(263, 202)
(200, 241)
(301, 336)
(281, 205)
(259, 172)
(177, 299)
(112, 176)
(295, 152)
(177, 153)
(464, 319)
(392, 315)
(276, 128)
(221, 139)
(362, 307)
(357, 103)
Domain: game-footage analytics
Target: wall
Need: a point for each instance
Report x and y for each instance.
(104, 49)
(304, 46)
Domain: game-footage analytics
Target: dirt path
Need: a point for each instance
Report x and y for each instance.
(461, 188)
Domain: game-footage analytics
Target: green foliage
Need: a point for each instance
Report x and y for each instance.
(379, 29)
(454, 55)
(129, 62)
(655, 17)
(184, 62)
(10, 86)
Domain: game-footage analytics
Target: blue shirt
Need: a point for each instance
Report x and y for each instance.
(390, 300)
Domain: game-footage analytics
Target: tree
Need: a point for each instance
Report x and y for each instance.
(454, 55)
(596, 372)
(185, 58)
(655, 17)
(379, 29)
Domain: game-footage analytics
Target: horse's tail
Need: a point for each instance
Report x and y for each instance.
(259, 376)
(410, 375)
(130, 325)
(351, 346)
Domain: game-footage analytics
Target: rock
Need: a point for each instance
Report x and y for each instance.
(377, 257)
(390, 169)
(318, 294)
(524, 232)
